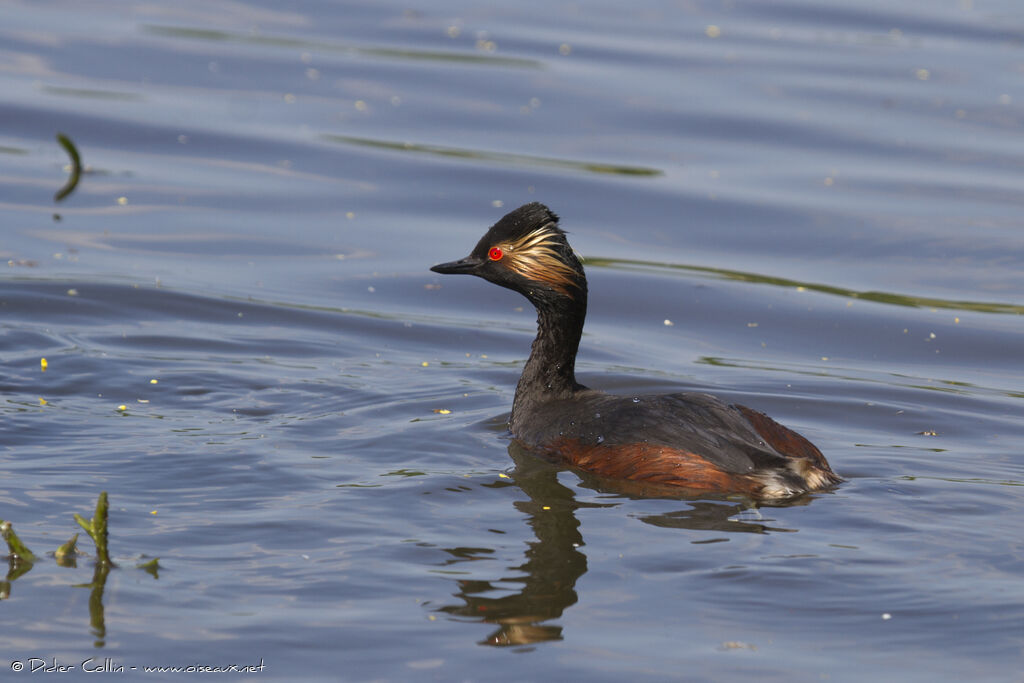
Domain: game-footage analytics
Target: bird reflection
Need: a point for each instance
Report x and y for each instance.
(525, 603)
(545, 582)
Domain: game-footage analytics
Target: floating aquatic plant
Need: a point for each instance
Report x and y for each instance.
(97, 529)
(151, 567)
(66, 554)
(22, 559)
(19, 551)
(76, 167)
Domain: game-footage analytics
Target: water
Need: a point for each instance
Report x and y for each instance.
(810, 207)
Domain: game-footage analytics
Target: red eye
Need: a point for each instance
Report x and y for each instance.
(495, 254)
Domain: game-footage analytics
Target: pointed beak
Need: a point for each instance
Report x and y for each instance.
(465, 265)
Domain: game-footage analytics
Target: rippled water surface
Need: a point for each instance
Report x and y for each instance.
(812, 207)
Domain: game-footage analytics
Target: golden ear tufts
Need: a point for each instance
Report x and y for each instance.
(534, 256)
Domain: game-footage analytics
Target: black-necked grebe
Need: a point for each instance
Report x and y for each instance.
(687, 441)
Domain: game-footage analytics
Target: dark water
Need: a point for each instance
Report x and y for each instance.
(822, 198)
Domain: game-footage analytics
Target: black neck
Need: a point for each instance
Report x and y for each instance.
(550, 372)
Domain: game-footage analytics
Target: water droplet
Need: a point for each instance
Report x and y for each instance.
(600, 439)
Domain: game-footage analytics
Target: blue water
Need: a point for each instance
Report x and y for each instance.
(810, 207)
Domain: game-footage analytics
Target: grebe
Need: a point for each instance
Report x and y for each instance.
(685, 441)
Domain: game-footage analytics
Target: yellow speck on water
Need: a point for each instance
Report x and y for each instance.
(801, 288)
(546, 507)
(42, 401)
(712, 31)
(152, 381)
(956, 321)
(502, 475)
(425, 364)
(824, 357)
(43, 364)
(483, 355)
(922, 74)
(668, 323)
(122, 201)
(152, 512)
(350, 215)
(122, 407)
(442, 411)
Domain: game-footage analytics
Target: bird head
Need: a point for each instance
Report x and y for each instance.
(526, 251)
